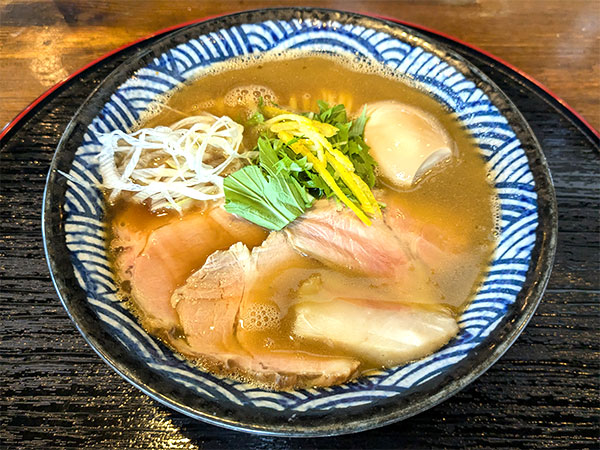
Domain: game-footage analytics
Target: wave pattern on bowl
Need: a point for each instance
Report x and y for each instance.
(507, 165)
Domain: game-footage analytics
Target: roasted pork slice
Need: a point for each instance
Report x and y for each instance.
(275, 266)
(215, 310)
(156, 262)
(383, 332)
(289, 369)
(391, 259)
(209, 301)
(339, 239)
(126, 245)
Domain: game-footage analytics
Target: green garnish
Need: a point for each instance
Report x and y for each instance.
(266, 194)
(303, 157)
(255, 119)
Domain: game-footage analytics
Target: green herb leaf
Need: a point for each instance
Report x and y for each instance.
(255, 119)
(272, 199)
(358, 126)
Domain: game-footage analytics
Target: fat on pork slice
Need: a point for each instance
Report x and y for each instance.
(214, 298)
(156, 261)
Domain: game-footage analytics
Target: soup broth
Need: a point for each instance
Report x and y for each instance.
(455, 197)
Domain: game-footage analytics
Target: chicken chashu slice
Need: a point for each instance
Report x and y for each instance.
(389, 247)
(155, 261)
(385, 333)
(339, 239)
(213, 300)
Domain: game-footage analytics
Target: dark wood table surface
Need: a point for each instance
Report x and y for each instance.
(543, 393)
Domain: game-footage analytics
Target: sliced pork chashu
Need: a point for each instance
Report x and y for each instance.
(340, 240)
(208, 303)
(389, 247)
(215, 309)
(157, 261)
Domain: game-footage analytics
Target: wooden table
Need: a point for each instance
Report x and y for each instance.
(56, 393)
(556, 42)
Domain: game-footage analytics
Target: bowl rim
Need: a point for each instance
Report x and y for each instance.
(530, 294)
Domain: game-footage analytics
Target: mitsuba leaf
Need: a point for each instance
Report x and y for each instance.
(266, 195)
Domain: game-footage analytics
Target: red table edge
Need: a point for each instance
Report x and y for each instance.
(38, 100)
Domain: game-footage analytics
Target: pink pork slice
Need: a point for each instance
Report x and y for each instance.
(157, 261)
(339, 239)
(395, 250)
(391, 247)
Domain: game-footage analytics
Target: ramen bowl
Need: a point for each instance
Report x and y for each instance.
(75, 231)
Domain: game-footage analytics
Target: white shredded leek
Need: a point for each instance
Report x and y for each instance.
(169, 165)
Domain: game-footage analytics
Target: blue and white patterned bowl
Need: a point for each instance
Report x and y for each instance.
(74, 228)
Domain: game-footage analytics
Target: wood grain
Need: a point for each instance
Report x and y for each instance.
(56, 393)
(42, 42)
